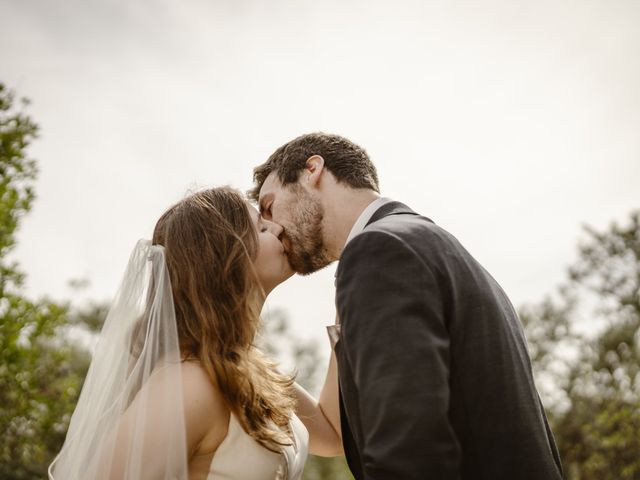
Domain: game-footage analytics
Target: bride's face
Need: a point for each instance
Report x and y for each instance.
(271, 262)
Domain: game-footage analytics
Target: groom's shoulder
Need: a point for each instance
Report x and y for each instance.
(408, 226)
(407, 229)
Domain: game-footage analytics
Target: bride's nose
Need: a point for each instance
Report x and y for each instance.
(275, 228)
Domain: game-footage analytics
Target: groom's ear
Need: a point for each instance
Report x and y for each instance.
(313, 171)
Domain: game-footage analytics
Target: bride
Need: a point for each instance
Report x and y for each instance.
(177, 388)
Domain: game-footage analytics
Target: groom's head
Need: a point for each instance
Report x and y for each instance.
(297, 188)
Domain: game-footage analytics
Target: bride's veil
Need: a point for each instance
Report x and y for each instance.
(129, 420)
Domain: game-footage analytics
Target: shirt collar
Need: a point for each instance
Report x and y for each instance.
(365, 216)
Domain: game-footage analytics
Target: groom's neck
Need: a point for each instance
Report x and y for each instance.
(341, 211)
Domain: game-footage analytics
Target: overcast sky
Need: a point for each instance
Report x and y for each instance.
(509, 123)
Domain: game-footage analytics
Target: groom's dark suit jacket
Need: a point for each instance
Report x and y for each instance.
(435, 379)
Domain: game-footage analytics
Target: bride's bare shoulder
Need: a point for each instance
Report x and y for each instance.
(200, 391)
(206, 411)
(196, 376)
(197, 385)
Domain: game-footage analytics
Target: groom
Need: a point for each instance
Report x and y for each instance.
(435, 379)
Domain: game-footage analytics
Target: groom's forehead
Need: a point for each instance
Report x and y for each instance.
(270, 187)
(266, 193)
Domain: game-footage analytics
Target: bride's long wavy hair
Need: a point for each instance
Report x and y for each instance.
(210, 243)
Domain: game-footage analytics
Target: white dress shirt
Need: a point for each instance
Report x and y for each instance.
(358, 227)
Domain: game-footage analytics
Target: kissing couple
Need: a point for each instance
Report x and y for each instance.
(429, 376)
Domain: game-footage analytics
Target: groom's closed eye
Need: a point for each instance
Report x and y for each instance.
(265, 202)
(265, 210)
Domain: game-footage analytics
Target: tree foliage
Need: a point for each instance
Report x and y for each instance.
(586, 341)
(41, 372)
(17, 174)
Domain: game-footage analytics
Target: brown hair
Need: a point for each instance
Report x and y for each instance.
(348, 162)
(210, 243)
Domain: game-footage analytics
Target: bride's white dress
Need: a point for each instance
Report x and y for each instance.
(240, 457)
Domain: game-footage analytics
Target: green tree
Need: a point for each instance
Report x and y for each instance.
(594, 392)
(17, 174)
(41, 372)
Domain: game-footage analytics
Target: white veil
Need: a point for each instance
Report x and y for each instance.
(129, 420)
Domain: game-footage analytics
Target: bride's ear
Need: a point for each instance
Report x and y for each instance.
(313, 171)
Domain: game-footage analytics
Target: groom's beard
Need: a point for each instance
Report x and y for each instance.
(303, 241)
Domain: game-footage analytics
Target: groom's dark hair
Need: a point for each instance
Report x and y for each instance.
(348, 162)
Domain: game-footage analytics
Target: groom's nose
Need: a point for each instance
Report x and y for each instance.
(276, 229)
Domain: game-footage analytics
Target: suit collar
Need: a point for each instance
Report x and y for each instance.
(364, 218)
(391, 208)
